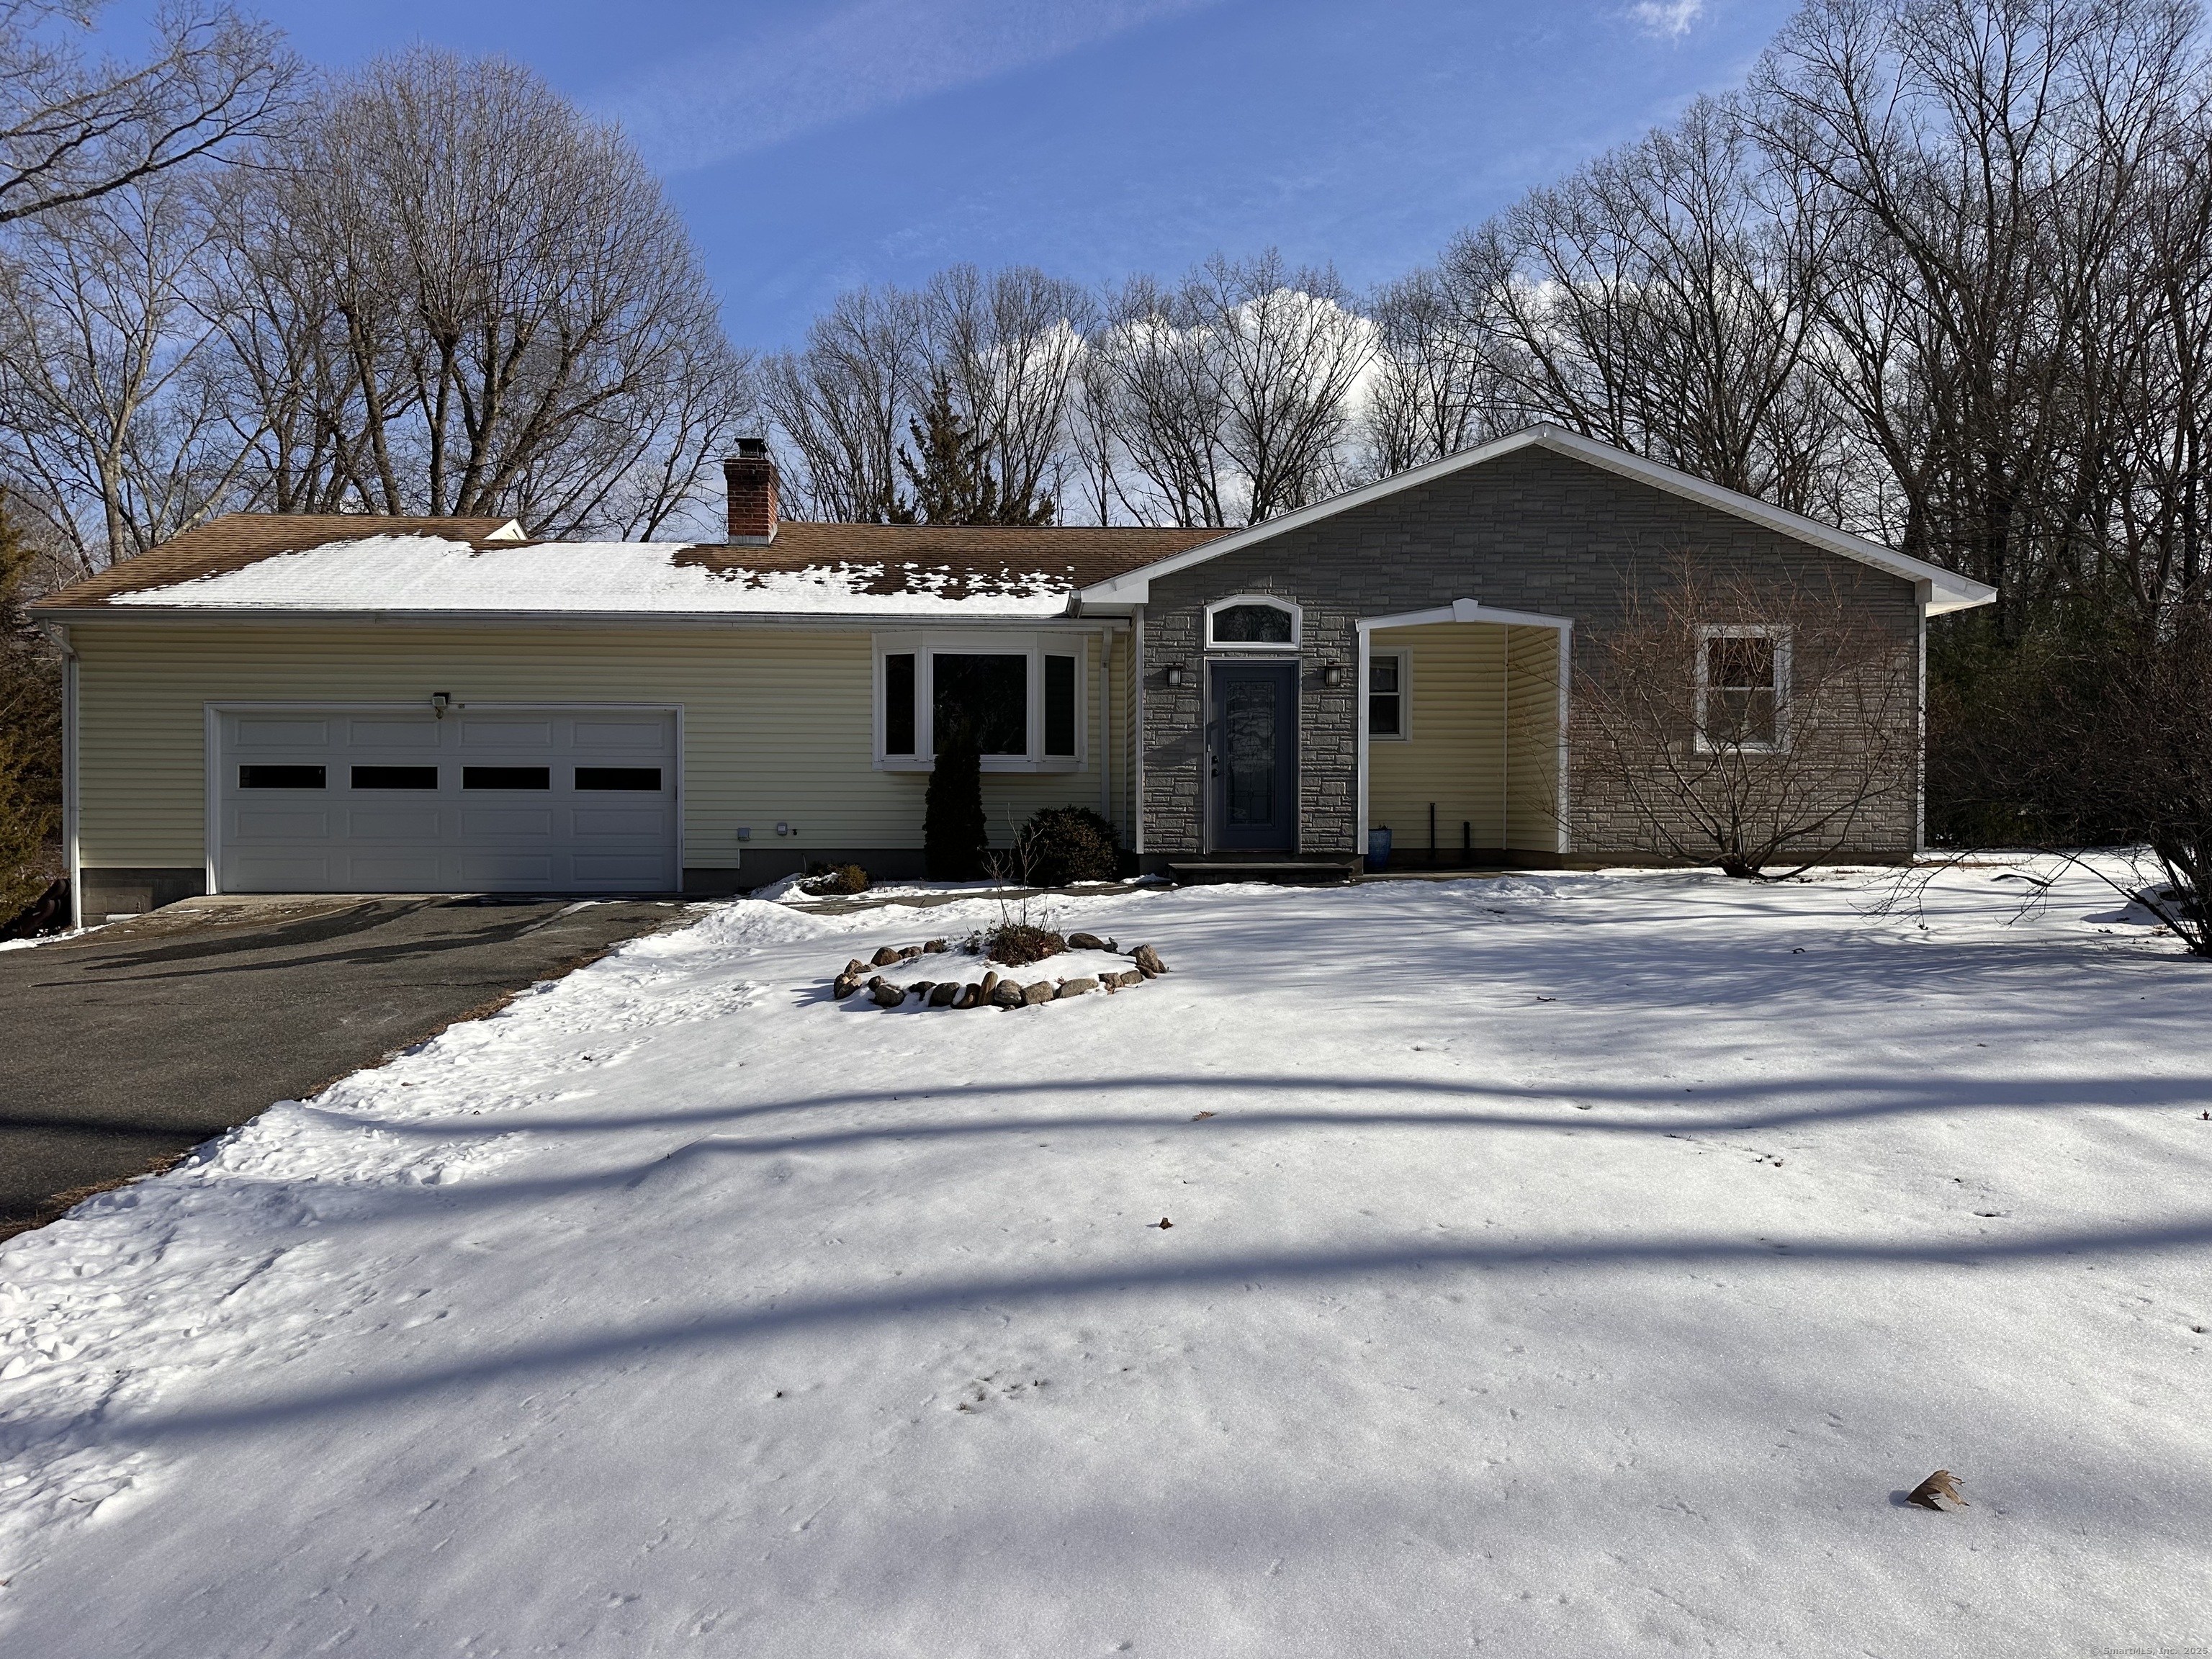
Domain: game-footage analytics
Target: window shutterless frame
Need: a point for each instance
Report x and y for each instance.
(1389, 680)
(1710, 632)
(1058, 701)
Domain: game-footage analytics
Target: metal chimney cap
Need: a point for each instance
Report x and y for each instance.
(752, 449)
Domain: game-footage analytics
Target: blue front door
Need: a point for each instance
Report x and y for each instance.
(1252, 753)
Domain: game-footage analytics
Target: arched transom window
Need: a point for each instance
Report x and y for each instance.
(1253, 623)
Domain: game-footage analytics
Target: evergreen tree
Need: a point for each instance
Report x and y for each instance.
(955, 835)
(30, 734)
(953, 482)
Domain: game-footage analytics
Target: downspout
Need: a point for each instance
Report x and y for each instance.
(1106, 725)
(1505, 745)
(1360, 637)
(1564, 841)
(1137, 737)
(1925, 591)
(59, 634)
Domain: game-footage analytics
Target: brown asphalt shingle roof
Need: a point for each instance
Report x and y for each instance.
(993, 557)
(946, 559)
(238, 540)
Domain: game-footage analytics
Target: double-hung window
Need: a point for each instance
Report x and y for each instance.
(1743, 687)
(1388, 695)
(1018, 696)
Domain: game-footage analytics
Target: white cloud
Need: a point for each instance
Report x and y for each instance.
(1667, 17)
(750, 92)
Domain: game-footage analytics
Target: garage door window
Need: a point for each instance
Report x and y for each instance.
(395, 777)
(506, 777)
(618, 777)
(279, 777)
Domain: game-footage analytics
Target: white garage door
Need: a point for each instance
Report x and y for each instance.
(555, 800)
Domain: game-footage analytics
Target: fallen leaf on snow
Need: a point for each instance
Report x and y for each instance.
(1937, 1486)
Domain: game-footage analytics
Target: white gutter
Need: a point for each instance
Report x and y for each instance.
(842, 621)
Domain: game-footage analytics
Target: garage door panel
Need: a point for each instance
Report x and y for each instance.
(409, 735)
(394, 814)
(265, 731)
(506, 821)
(606, 821)
(398, 873)
(629, 737)
(255, 822)
(392, 823)
(271, 873)
(479, 734)
(497, 869)
(615, 869)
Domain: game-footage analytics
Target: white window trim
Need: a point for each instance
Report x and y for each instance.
(1036, 647)
(1272, 647)
(1779, 633)
(1404, 694)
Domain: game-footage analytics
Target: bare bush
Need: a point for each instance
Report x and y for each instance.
(1758, 728)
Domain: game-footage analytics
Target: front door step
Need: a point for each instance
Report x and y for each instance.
(1285, 872)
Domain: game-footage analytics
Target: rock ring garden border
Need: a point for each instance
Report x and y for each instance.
(995, 989)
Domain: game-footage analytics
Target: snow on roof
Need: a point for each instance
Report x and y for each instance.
(421, 573)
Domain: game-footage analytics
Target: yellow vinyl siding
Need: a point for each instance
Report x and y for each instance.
(1531, 813)
(1454, 754)
(778, 724)
(1482, 744)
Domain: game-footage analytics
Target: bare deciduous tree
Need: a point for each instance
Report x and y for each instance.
(472, 300)
(1981, 161)
(1006, 346)
(1433, 387)
(1231, 394)
(71, 131)
(109, 401)
(1658, 300)
(843, 404)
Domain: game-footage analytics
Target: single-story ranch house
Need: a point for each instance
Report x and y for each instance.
(290, 704)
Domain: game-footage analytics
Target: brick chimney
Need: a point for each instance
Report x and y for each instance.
(751, 476)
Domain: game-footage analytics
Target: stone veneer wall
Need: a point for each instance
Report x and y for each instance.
(1532, 531)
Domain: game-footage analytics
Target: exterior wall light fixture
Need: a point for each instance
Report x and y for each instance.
(1333, 676)
(1175, 673)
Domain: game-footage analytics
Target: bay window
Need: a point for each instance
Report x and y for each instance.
(1019, 695)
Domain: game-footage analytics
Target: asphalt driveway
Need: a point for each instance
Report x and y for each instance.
(133, 1044)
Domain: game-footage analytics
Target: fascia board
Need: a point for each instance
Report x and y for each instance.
(844, 621)
(1948, 590)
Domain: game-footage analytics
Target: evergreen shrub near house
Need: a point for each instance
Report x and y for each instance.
(955, 834)
(1060, 845)
(834, 879)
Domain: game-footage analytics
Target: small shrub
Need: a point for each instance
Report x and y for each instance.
(834, 878)
(1018, 944)
(954, 831)
(1063, 844)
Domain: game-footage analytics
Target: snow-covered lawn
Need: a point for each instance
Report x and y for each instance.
(1579, 1266)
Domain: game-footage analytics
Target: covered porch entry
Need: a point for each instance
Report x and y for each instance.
(1462, 735)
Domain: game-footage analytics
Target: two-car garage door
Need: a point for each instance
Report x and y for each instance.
(568, 800)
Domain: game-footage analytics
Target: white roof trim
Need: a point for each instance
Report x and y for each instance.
(1946, 589)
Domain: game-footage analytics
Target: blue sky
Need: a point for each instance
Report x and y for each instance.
(813, 146)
